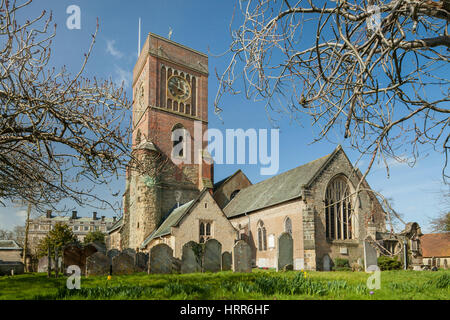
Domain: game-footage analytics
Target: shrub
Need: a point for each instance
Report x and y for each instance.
(388, 263)
(341, 265)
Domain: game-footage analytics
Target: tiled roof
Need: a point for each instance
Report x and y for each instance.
(116, 225)
(9, 245)
(435, 245)
(275, 190)
(172, 220)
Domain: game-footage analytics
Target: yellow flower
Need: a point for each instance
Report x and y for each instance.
(109, 278)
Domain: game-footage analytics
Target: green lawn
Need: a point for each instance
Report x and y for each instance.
(259, 284)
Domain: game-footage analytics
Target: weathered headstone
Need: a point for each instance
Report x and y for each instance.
(176, 265)
(112, 253)
(123, 264)
(73, 255)
(141, 261)
(227, 261)
(191, 258)
(130, 252)
(43, 264)
(242, 257)
(160, 259)
(212, 256)
(285, 251)
(89, 249)
(326, 263)
(99, 246)
(370, 256)
(97, 264)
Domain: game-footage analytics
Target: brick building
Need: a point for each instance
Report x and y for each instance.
(176, 201)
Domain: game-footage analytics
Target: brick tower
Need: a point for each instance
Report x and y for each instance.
(170, 108)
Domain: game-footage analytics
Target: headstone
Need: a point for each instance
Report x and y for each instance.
(99, 246)
(97, 264)
(445, 264)
(130, 252)
(242, 257)
(123, 264)
(285, 251)
(160, 259)
(141, 261)
(326, 263)
(73, 255)
(212, 256)
(370, 256)
(112, 253)
(191, 257)
(43, 264)
(89, 250)
(227, 261)
(176, 265)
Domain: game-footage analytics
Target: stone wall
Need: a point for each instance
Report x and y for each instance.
(350, 249)
(274, 221)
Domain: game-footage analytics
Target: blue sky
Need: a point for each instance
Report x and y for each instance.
(204, 26)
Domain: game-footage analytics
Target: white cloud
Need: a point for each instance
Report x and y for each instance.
(11, 217)
(122, 76)
(112, 50)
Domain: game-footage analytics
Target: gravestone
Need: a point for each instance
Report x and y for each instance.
(97, 264)
(227, 261)
(73, 255)
(130, 252)
(370, 256)
(123, 264)
(160, 259)
(112, 253)
(141, 261)
(99, 246)
(176, 265)
(89, 250)
(285, 251)
(43, 264)
(326, 263)
(191, 258)
(242, 257)
(212, 256)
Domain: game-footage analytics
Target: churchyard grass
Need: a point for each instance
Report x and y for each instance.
(260, 284)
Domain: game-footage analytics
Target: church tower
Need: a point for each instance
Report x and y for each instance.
(170, 117)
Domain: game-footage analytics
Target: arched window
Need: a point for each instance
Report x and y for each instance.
(288, 225)
(179, 141)
(262, 237)
(205, 231)
(338, 210)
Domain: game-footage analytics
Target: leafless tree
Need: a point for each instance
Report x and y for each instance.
(60, 134)
(379, 81)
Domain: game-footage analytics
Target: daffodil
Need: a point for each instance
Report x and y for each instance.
(109, 278)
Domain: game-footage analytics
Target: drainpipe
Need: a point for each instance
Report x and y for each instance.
(405, 256)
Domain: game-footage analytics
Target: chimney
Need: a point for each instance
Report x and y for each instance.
(94, 215)
(74, 214)
(49, 214)
(103, 218)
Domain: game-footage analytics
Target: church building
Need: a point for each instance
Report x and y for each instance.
(172, 199)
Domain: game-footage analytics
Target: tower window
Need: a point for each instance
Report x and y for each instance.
(179, 137)
(288, 226)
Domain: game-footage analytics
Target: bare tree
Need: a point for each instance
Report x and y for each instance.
(60, 134)
(375, 72)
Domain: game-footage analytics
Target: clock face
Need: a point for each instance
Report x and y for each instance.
(179, 88)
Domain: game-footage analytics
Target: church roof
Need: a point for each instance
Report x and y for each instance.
(172, 220)
(277, 189)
